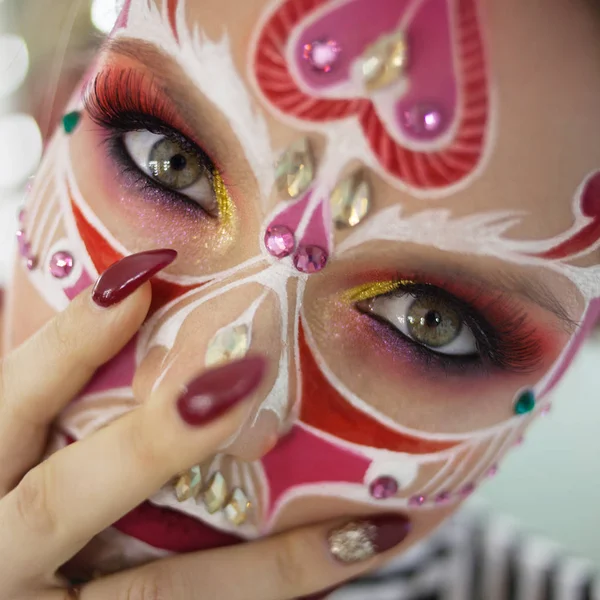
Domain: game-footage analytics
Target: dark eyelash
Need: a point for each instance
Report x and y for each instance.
(510, 344)
(117, 104)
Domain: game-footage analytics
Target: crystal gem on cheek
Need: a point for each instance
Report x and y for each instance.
(61, 264)
(279, 241)
(383, 487)
(310, 259)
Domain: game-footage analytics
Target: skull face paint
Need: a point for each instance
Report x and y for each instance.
(411, 342)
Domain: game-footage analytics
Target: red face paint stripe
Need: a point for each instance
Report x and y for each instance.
(325, 409)
(589, 235)
(103, 255)
(172, 10)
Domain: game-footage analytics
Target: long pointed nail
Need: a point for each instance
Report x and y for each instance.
(218, 390)
(360, 540)
(126, 276)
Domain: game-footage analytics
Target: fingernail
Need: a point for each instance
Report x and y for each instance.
(124, 277)
(359, 540)
(218, 390)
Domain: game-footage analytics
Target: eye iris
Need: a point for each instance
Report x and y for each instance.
(173, 166)
(431, 323)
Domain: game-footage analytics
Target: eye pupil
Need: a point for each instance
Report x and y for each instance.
(433, 319)
(178, 162)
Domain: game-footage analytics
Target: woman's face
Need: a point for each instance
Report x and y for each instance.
(396, 201)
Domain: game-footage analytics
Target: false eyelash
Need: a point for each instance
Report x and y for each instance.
(120, 101)
(123, 101)
(504, 334)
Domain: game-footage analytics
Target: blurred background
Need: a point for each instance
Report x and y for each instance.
(549, 486)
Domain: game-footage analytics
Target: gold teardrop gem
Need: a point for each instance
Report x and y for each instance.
(188, 484)
(228, 344)
(351, 200)
(384, 62)
(238, 507)
(216, 493)
(294, 171)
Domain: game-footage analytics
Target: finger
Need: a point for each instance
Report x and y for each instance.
(40, 377)
(48, 517)
(291, 565)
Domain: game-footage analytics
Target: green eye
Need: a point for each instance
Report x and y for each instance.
(431, 323)
(173, 166)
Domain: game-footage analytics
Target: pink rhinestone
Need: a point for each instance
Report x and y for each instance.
(321, 56)
(383, 487)
(61, 264)
(22, 215)
(32, 263)
(492, 471)
(24, 247)
(467, 489)
(279, 241)
(310, 259)
(417, 501)
(442, 498)
(424, 120)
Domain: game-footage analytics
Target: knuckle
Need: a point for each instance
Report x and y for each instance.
(33, 501)
(149, 584)
(292, 563)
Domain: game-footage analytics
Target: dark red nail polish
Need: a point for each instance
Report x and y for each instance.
(218, 390)
(391, 531)
(124, 277)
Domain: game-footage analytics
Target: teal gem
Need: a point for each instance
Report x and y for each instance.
(525, 403)
(71, 120)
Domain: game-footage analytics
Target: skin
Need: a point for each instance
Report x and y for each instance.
(521, 175)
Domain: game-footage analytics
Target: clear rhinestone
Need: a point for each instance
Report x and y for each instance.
(188, 484)
(228, 344)
(295, 169)
(353, 542)
(238, 507)
(216, 493)
(384, 62)
(351, 200)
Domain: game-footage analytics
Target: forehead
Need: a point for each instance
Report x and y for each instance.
(543, 83)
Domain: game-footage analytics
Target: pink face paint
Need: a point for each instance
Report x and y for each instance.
(440, 103)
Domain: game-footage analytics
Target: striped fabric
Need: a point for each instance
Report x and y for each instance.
(478, 558)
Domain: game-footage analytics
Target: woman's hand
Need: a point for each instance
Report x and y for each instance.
(49, 511)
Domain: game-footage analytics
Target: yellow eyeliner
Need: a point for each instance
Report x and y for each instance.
(224, 201)
(366, 291)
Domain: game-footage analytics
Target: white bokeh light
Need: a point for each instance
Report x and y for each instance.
(104, 14)
(20, 149)
(14, 63)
